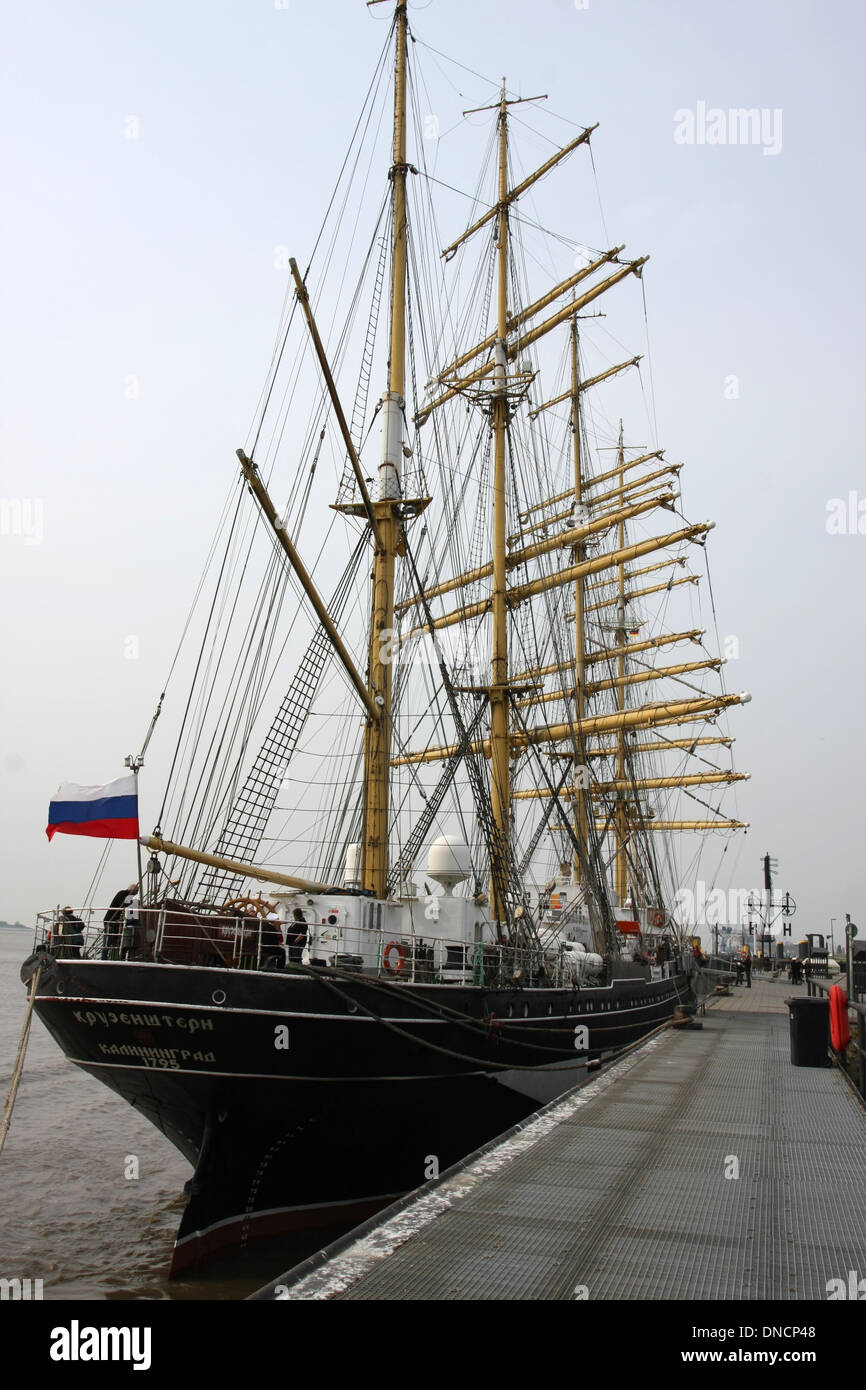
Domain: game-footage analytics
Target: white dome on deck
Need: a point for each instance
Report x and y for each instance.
(449, 861)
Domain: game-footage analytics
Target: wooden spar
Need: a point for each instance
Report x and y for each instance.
(514, 321)
(531, 552)
(260, 492)
(667, 639)
(661, 746)
(511, 195)
(696, 779)
(562, 315)
(584, 386)
(635, 491)
(645, 569)
(588, 483)
(377, 732)
(455, 387)
(629, 678)
(160, 845)
(331, 386)
(566, 576)
(652, 716)
(627, 466)
(636, 485)
(454, 390)
(691, 825)
(657, 673)
(642, 593)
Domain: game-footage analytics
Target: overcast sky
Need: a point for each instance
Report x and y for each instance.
(154, 157)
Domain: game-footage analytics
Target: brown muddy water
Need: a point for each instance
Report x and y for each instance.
(68, 1214)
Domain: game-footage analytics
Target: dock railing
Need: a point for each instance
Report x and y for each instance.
(814, 988)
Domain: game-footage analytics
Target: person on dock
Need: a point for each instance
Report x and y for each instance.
(738, 965)
(747, 966)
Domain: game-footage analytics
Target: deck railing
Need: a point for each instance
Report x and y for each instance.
(169, 934)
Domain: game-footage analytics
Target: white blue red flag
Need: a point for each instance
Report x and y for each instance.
(109, 812)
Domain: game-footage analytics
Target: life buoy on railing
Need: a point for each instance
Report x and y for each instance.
(839, 1031)
(386, 958)
(656, 918)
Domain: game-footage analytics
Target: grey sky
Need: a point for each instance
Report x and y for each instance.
(147, 265)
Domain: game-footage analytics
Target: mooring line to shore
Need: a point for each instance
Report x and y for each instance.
(18, 1069)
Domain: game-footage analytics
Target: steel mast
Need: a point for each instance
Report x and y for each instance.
(580, 771)
(621, 815)
(377, 732)
(500, 742)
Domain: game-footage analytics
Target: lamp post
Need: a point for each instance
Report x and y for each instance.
(850, 933)
(832, 925)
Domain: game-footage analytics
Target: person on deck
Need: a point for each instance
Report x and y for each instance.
(298, 938)
(112, 923)
(131, 910)
(71, 933)
(273, 951)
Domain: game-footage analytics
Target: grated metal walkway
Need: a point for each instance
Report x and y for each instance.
(624, 1189)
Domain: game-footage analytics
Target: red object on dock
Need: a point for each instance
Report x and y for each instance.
(839, 1031)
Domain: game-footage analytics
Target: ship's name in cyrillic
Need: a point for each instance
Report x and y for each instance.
(108, 1019)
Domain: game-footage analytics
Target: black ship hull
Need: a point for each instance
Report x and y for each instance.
(306, 1100)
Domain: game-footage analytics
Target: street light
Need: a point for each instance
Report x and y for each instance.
(850, 933)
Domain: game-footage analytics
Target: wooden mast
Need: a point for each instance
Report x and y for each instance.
(377, 733)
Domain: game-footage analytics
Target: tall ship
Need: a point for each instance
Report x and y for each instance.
(449, 714)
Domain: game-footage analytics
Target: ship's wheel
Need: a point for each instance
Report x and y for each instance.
(260, 906)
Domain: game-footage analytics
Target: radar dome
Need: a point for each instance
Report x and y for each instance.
(449, 861)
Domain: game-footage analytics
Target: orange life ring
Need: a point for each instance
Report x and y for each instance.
(839, 1032)
(656, 918)
(386, 957)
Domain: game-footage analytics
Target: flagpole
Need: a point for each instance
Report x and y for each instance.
(134, 762)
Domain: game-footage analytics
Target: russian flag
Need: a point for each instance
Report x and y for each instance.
(109, 812)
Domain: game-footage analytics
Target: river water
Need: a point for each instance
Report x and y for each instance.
(68, 1214)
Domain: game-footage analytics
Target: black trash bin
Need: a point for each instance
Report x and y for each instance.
(810, 1031)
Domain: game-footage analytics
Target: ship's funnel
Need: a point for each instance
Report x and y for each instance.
(449, 861)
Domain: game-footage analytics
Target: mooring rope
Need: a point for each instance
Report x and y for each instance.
(18, 1069)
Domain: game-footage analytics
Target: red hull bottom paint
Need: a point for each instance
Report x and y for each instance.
(239, 1231)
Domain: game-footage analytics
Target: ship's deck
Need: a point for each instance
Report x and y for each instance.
(624, 1188)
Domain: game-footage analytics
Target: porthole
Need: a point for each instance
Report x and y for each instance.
(219, 996)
